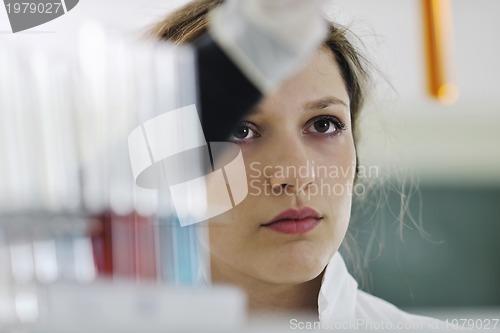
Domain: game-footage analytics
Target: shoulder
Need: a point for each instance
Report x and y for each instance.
(374, 310)
(342, 302)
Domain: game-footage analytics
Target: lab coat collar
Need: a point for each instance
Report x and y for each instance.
(337, 296)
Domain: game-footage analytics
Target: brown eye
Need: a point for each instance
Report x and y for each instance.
(326, 124)
(322, 125)
(243, 132)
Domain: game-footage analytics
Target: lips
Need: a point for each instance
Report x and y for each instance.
(293, 221)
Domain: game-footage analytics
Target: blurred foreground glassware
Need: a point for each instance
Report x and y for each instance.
(70, 211)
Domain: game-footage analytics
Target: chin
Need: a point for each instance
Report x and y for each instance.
(294, 275)
(296, 264)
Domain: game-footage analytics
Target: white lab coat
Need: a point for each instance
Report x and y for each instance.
(342, 305)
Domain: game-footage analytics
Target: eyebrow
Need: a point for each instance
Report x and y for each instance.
(312, 105)
(323, 103)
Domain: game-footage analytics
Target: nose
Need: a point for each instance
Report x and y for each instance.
(290, 167)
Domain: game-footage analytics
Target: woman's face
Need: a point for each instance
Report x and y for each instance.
(299, 153)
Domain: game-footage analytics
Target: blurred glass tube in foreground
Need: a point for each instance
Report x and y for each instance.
(69, 206)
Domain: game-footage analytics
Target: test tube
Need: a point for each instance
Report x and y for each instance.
(180, 258)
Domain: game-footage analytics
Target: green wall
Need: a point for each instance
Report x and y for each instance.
(456, 264)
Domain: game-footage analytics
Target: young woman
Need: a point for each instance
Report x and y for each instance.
(297, 136)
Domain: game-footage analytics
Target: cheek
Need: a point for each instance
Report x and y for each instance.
(223, 237)
(335, 167)
(229, 231)
(335, 162)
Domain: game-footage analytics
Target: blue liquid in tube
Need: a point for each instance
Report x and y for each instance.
(181, 254)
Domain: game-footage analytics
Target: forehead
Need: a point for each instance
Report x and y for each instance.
(317, 84)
